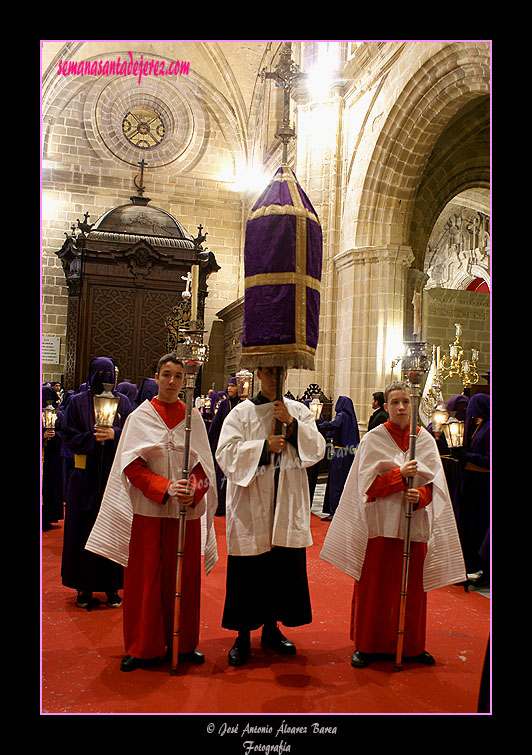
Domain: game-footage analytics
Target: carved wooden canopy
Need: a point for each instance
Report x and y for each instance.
(125, 276)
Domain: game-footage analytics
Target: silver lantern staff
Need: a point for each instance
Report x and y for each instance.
(415, 364)
(193, 353)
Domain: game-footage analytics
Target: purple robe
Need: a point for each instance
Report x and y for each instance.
(346, 437)
(208, 413)
(52, 478)
(67, 457)
(128, 389)
(148, 389)
(80, 569)
(214, 434)
(473, 516)
(450, 458)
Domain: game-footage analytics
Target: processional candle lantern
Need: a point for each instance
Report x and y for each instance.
(452, 428)
(453, 431)
(105, 407)
(49, 416)
(440, 415)
(315, 407)
(244, 383)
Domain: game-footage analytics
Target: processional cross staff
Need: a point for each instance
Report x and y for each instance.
(415, 365)
(285, 75)
(193, 353)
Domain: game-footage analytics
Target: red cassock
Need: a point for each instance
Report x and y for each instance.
(150, 577)
(375, 604)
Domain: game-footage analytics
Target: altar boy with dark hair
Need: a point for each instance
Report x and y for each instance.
(267, 516)
(138, 523)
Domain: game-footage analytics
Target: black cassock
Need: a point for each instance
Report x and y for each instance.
(271, 586)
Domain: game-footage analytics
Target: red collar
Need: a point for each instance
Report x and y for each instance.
(172, 414)
(401, 437)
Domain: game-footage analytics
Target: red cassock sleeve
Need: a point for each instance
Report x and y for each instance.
(392, 482)
(154, 486)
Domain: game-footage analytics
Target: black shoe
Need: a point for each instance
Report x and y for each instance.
(113, 600)
(193, 657)
(425, 658)
(82, 601)
(360, 660)
(130, 663)
(274, 640)
(86, 600)
(239, 653)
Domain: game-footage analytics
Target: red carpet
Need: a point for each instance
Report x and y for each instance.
(81, 653)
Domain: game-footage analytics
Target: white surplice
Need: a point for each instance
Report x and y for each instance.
(357, 519)
(146, 435)
(254, 521)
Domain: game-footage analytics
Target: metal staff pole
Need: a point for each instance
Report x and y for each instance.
(190, 380)
(193, 353)
(279, 428)
(415, 365)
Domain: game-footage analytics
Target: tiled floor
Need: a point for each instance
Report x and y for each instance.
(317, 505)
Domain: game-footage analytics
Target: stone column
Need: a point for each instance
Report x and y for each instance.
(415, 283)
(371, 288)
(319, 171)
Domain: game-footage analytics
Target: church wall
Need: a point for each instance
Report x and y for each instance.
(359, 155)
(84, 170)
(394, 112)
(442, 308)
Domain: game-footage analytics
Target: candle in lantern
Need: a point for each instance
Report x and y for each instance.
(453, 430)
(244, 381)
(194, 300)
(105, 406)
(316, 406)
(440, 415)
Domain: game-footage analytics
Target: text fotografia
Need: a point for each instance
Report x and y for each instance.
(250, 745)
(126, 67)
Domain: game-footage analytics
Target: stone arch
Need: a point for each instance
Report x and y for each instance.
(445, 83)
(460, 161)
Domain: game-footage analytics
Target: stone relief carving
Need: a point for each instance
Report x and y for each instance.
(460, 253)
